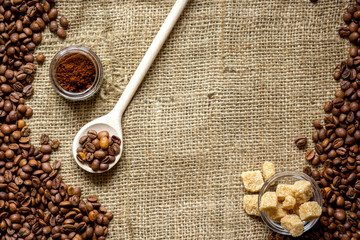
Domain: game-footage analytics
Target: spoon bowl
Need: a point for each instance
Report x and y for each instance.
(103, 123)
(112, 121)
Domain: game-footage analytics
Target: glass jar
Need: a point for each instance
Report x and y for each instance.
(94, 88)
(288, 177)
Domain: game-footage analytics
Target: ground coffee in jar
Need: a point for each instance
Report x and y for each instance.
(75, 72)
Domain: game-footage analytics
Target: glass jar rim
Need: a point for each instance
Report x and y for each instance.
(93, 89)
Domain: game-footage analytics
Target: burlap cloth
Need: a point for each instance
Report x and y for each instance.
(235, 83)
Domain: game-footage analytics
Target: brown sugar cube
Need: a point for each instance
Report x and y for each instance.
(268, 201)
(293, 224)
(289, 202)
(250, 204)
(283, 190)
(277, 214)
(309, 211)
(295, 209)
(302, 191)
(268, 170)
(252, 180)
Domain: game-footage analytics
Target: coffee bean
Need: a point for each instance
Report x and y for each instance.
(53, 26)
(104, 142)
(64, 22)
(300, 141)
(116, 139)
(347, 17)
(90, 147)
(95, 165)
(310, 154)
(92, 134)
(61, 33)
(340, 132)
(92, 198)
(340, 214)
(46, 167)
(99, 154)
(46, 149)
(37, 38)
(104, 166)
(55, 144)
(353, 50)
(40, 58)
(337, 75)
(53, 14)
(328, 107)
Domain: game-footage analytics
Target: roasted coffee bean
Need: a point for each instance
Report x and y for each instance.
(40, 58)
(44, 139)
(116, 139)
(95, 165)
(53, 14)
(64, 22)
(315, 136)
(53, 26)
(300, 141)
(92, 134)
(54, 144)
(90, 147)
(337, 75)
(61, 33)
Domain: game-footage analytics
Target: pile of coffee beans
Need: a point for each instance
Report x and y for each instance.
(98, 150)
(35, 203)
(337, 147)
(351, 17)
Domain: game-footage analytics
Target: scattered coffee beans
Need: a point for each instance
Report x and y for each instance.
(98, 150)
(34, 201)
(337, 147)
(351, 18)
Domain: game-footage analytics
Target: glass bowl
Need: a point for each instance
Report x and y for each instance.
(288, 177)
(94, 88)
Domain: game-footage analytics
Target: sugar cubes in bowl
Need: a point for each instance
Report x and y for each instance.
(290, 203)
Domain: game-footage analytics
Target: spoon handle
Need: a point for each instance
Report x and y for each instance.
(149, 57)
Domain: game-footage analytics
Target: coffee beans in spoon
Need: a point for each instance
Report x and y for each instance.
(98, 150)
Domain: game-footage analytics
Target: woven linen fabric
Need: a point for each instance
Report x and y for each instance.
(234, 84)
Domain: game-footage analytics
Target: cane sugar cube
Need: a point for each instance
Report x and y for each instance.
(302, 191)
(252, 180)
(268, 201)
(268, 170)
(289, 202)
(283, 190)
(309, 211)
(295, 209)
(293, 224)
(250, 204)
(277, 214)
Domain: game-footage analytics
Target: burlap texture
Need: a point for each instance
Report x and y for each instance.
(234, 84)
